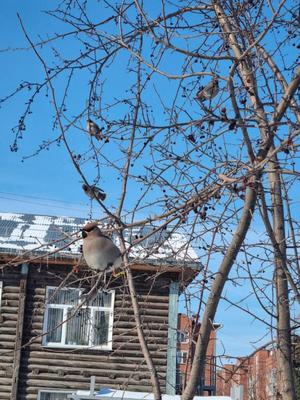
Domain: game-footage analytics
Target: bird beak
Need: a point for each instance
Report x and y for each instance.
(84, 234)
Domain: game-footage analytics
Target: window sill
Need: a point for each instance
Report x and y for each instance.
(78, 347)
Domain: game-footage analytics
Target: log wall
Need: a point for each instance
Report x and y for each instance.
(43, 368)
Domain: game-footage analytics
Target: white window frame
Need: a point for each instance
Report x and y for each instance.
(55, 391)
(185, 334)
(65, 308)
(180, 357)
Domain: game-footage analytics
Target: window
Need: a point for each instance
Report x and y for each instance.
(179, 382)
(53, 395)
(182, 337)
(251, 387)
(272, 384)
(237, 392)
(68, 324)
(182, 357)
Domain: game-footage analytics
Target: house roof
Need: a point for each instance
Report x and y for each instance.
(54, 236)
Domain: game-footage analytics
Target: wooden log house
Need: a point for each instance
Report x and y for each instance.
(49, 345)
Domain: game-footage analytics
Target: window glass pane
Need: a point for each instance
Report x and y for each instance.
(63, 296)
(103, 299)
(54, 396)
(78, 327)
(88, 327)
(55, 317)
(182, 336)
(182, 357)
(100, 328)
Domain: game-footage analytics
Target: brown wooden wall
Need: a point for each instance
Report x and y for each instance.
(8, 323)
(45, 368)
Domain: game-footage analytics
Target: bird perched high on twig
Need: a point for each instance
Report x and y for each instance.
(209, 91)
(94, 192)
(93, 129)
(99, 251)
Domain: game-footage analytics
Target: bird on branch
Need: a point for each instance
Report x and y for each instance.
(93, 192)
(209, 91)
(100, 252)
(93, 129)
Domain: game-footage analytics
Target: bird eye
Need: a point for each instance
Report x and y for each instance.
(84, 234)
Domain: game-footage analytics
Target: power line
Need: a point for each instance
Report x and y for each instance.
(37, 197)
(43, 204)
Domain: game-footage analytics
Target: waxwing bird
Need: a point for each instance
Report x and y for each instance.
(209, 91)
(93, 129)
(99, 251)
(93, 192)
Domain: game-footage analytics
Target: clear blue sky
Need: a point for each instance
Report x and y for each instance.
(47, 183)
(50, 175)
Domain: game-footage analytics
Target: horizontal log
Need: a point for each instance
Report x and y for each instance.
(120, 347)
(37, 327)
(143, 304)
(5, 384)
(6, 372)
(7, 330)
(7, 337)
(52, 380)
(7, 309)
(8, 317)
(5, 395)
(10, 289)
(110, 357)
(6, 360)
(134, 339)
(6, 346)
(8, 323)
(121, 323)
(5, 390)
(99, 370)
(143, 312)
(12, 301)
(33, 362)
(149, 322)
(159, 357)
(67, 384)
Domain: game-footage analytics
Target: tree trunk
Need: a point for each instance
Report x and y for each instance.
(197, 370)
(284, 351)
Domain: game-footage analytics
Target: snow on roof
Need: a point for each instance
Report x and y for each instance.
(42, 233)
(127, 395)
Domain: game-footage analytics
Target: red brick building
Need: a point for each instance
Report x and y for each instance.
(187, 333)
(251, 378)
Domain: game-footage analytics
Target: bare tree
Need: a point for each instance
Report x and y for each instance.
(200, 136)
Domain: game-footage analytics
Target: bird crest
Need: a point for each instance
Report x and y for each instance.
(90, 226)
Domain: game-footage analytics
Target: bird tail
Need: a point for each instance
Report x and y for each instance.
(102, 196)
(117, 274)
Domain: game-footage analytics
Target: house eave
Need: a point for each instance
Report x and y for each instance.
(183, 271)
